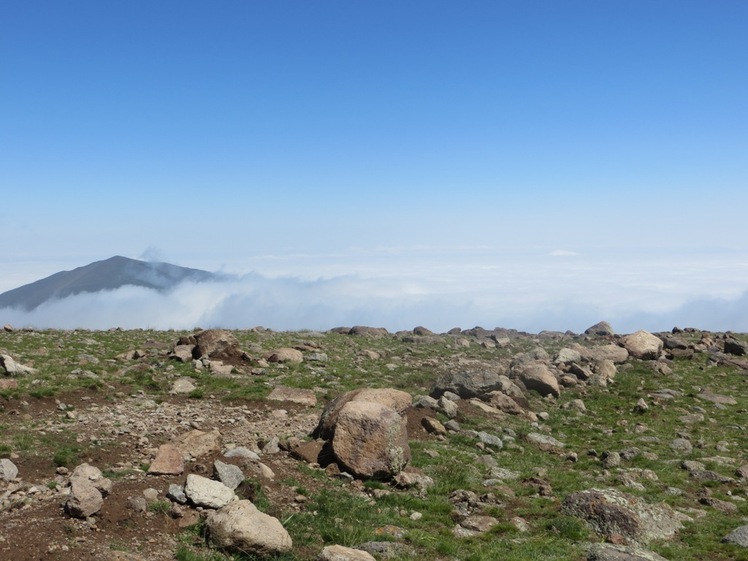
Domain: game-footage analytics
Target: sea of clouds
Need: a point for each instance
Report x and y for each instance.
(559, 290)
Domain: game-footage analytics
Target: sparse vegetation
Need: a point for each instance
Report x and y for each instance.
(334, 511)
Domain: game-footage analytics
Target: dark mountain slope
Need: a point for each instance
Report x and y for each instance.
(102, 275)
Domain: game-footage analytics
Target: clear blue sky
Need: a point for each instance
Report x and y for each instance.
(218, 132)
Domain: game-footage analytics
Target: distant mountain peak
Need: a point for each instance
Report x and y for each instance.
(108, 274)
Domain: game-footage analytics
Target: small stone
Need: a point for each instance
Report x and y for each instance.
(340, 553)
(433, 426)
(176, 494)
(228, 474)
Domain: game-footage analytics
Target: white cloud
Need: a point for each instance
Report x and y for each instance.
(530, 293)
(563, 253)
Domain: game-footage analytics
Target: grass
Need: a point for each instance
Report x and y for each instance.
(160, 507)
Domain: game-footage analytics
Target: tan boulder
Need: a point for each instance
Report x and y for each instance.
(394, 399)
(84, 499)
(371, 440)
(284, 354)
(643, 345)
(610, 352)
(216, 344)
(241, 528)
(538, 377)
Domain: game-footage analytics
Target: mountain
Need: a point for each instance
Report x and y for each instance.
(102, 275)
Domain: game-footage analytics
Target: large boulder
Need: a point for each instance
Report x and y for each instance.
(610, 352)
(216, 344)
(610, 512)
(600, 329)
(392, 398)
(539, 377)
(371, 440)
(84, 499)
(365, 331)
(468, 383)
(285, 354)
(643, 345)
(241, 528)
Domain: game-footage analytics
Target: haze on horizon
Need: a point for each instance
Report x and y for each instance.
(536, 165)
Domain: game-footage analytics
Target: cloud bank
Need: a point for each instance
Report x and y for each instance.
(527, 293)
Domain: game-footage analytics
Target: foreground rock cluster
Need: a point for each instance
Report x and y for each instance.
(195, 462)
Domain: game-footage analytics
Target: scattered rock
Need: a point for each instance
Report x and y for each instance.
(411, 479)
(610, 512)
(433, 426)
(681, 445)
(611, 552)
(284, 355)
(228, 474)
(340, 553)
(197, 443)
(490, 440)
(206, 492)
(467, 383)
(182, 386)
(8, 470)
(241, 528)
(386, 550)
(735, 347)
(707, 395)
(13, 368)
(739, 536)
(84, 499)
(545, 442)
(93, 476)
(168, 461)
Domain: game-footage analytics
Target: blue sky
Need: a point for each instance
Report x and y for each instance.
(548, 140)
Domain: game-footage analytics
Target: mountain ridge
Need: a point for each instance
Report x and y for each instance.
(107, 274)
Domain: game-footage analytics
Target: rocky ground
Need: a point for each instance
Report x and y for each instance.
(474, 444)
